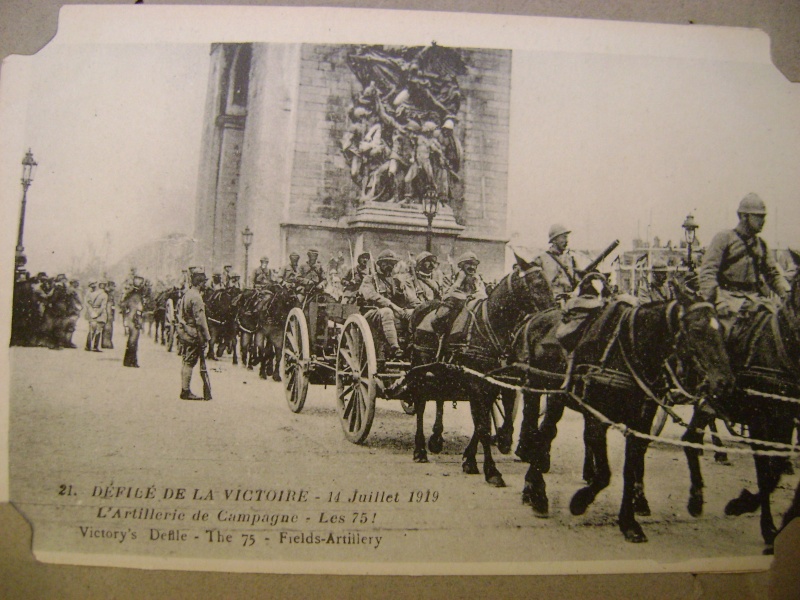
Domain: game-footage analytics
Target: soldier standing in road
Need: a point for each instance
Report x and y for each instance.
(738, 271)
(97, 314)
(194, 331)
(132, 315)
(388, 302)
(558, 263)
(108, 328)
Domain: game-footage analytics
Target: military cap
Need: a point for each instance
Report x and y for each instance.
(423, 256)
(264, 259)
(228, 267)
(294, 255)
(659, 265)
(556, 230)
(216, 276)
(365, 253)
(235, 276)
(313, 251)
(387, 255)
(428, 126)
(61, 277)
(468, 257)
(752, 204)
(194, 270)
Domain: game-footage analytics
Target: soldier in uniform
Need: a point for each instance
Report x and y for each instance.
(388, 302)
(738, 271)
(290, 272)
(312, 275)
(227, 273)
(108, 328)
(234, 281)
(468, 285)
(658, 290)
(558, 263)
(76, 306)
(216, 282)
(194, 327)
(97, 314)
(352, 280)
(426, 285)
(262, 277)
(132, 315)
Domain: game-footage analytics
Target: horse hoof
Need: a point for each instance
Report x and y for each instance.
(536, 498)
(695, 505)
(470, 468)
(641, 507)
(504, 444)
(420, 457)
(747, 502)
(435, 443)
(769, 550)
(496, 481)
(276, 376)
(581, 501)
(634, 535)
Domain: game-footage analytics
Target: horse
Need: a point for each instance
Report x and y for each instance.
(221, 316)
(261, 317)
(481, 346)
(764, 347)
(616, 369)
(160, 316)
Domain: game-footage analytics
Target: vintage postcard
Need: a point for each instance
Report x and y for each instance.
(391, 292)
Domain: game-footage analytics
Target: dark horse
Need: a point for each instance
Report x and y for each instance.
(261, 318)
(617, 368)
(221, 316)
(764, 347)
(480, 345)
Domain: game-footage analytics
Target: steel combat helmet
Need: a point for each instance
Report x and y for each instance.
(468, 257)
(555, 231)
(752, 204)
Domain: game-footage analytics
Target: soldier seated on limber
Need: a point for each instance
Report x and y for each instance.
(426, 283)
(467, 286)
(387, 302)
(658, 289)
(312, 276)
(351, 282)
(262, 277)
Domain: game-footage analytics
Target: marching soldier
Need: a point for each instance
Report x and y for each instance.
(558, 263)
(738, 270)
(658, 289)
(132, 314)
(312, 275)
(388, 301)
(194, 331)
(111, 307)
(426, 285)
(351, 282)
(467, 286)
(262, 277)
(97, 315)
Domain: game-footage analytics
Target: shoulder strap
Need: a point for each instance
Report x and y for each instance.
(562, 267)
(757, 266)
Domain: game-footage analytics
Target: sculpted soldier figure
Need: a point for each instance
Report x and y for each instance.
(388, 302)
(351, 282)
(132, 315)
(558, 263)
(738, 270)
(467, 286)
(426, 284)
(193, 331)
(97, 315)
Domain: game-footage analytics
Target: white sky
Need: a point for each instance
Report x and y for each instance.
(614, 127)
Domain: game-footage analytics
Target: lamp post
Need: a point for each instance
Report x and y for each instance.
(690, 230)
(247, 239)
(430, 205)
(28, 168)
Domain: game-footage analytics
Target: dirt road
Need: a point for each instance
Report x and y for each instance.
(100, 453)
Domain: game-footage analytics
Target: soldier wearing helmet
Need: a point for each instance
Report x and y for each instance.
(354, 277)
(312, 275)
(387, 301)
(291, 272)
(262, 277)
(426, 283)
(467, 286)
(557, 262)
(738, 270)
(192, 328)
(132, 317)
(657, 290)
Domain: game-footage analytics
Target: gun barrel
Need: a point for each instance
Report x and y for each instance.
(603, 255)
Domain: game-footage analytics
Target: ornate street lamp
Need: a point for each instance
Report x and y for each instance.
(690, 230)
(28, 169)
(430, 206)
(247, 239)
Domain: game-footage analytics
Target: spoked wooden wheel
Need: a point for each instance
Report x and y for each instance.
(356, 368)
(294, 361)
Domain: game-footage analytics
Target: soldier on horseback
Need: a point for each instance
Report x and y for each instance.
(558, 263)
(738, 271)
(468, 285)
(388, 302)
(658, 289)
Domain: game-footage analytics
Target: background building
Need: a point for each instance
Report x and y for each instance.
(272, 160)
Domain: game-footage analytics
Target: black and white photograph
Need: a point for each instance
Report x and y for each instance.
(350, 291)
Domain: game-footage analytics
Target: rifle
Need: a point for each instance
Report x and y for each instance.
(600, 258)
(204, 376)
